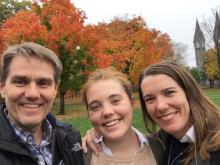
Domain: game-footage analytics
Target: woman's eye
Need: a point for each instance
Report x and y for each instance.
(149, 100)
(94, 107)
(169, 93)
(115, 100)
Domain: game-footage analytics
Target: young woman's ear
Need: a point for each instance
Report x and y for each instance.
(132, 100)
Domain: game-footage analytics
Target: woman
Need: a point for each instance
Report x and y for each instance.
(108, 99)
(189, 122)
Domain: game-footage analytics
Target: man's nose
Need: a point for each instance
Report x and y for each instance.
(32, 91)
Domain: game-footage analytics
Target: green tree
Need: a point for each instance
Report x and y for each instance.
(74, 71)
(10, 7)
(195, 73)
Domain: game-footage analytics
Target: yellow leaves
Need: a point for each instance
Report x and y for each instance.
(210, 65)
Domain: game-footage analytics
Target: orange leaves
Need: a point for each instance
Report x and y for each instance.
(64, 23)
(25, 26)
(2, 43)
(102, 60)
(53, 23)
(129, 45)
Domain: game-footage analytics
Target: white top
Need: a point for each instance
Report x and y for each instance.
(141, 137)
(189, 136)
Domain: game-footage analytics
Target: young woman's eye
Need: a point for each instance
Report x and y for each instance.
(115, 100)
(94, 107)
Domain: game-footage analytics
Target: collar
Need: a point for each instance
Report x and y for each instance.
(189, 136)
(28, 138)
(141, 138)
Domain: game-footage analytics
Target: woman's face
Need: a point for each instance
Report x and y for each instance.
(166, 103)
(110, 109)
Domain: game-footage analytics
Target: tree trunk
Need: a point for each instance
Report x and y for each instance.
(62, 103)
(218, 61)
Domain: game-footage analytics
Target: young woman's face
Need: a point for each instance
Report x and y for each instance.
(109, 109)
(166, 103)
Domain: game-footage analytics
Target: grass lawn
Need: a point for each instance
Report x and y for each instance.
(213, 94)
(76, 113)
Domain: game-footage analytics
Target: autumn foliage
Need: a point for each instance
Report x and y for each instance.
(127, 44)
(24, 26)
(210, 66)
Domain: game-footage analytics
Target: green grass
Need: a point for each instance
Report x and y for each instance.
(83, 123)
(213, 94)
(76, 113)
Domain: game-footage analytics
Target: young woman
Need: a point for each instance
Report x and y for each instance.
(108, 99)
(189, 122)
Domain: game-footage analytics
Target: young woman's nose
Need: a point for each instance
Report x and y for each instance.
(107, 110)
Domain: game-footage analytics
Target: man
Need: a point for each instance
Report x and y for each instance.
(29, 134)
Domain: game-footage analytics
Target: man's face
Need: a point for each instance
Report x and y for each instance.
(29, 91)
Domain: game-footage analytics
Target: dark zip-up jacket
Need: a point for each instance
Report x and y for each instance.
(214, 156)
(65, 144)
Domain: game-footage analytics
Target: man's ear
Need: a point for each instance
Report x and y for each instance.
(56, 89)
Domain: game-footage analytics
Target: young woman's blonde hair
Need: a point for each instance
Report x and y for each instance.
(204, 115)
(109, 73)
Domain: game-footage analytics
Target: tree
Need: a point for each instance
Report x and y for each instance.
(65, 24)
(58, 27)
(210, 66)
(10, 7)
(179, 53)
(129, 45)
(212, 28)
(24, 26)
(74, 73)
(195, 73)
(2, 43)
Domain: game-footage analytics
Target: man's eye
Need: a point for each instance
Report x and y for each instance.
(20, 82)
(44, 83)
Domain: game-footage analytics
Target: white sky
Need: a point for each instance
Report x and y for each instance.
(177, 18)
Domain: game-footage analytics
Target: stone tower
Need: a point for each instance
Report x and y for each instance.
(199, 46)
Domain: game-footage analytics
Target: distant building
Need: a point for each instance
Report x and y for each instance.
(199, 45)
(216, 34)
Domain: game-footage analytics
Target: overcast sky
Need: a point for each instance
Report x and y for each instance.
(177, 18)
